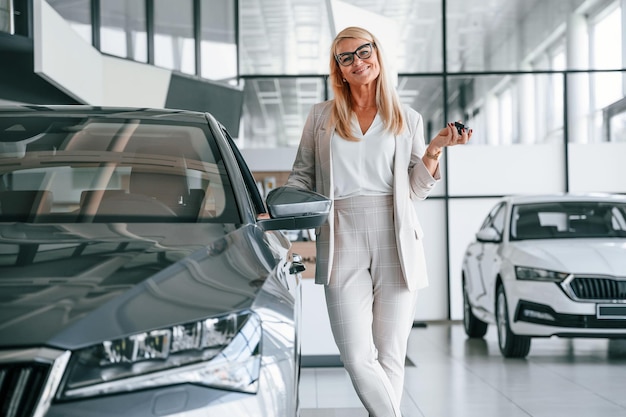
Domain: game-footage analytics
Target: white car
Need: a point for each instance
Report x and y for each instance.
(548, 265)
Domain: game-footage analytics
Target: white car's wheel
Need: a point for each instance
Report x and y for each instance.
(511, 345)
(617, 348)
(474, 327)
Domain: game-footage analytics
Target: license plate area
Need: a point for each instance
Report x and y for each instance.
(611, 311)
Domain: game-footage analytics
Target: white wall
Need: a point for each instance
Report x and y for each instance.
(432, 302)
(317, 339)
(499, 170)
(597, 167)
(67, 61)
(269, 159)
(466, 216)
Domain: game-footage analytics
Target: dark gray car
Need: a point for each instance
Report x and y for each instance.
(138, 273)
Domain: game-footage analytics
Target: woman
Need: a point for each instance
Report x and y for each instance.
(366, 152)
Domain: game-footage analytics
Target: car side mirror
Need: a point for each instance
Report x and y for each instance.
(488, 235)
(292, 208)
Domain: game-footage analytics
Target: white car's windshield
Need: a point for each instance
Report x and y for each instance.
(571, 219)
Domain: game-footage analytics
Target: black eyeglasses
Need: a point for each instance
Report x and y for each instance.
(362, 52)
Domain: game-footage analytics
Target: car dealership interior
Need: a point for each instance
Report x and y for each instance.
(542, 83)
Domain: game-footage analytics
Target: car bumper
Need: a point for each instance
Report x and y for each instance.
(182, 400)
(543, 309)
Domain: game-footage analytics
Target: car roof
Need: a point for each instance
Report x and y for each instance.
(82, 110)
(564, 197)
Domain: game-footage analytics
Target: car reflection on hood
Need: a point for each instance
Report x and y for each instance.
(96, 281)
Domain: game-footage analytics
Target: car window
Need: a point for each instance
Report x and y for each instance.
(79, 169)
(495, 219)
(249, 181)
(571, 219)
(498, 220)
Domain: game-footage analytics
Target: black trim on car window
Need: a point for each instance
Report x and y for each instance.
(250, 182)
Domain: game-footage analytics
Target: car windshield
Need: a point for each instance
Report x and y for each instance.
(568, 220)
(91, 169)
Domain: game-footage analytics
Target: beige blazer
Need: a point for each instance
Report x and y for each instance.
(312, 170)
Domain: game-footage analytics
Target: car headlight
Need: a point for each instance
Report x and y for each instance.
(223, 352)
(536, 274)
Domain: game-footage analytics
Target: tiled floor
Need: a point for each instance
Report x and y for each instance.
(453, 376)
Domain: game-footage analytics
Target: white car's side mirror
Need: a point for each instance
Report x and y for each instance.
(488, 235)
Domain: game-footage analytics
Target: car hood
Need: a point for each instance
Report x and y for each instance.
(69, 286)
(581, 256)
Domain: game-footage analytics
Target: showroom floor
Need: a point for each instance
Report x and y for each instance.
(448, 375)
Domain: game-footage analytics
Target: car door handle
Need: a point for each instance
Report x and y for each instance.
(296, 264)
(296, 267)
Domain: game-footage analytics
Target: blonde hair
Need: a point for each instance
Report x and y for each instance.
(387, 99)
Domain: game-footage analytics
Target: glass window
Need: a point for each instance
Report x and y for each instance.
(616, 123)
(505, 117)
(174, 44)
(276, 38)
(608, 104)
(509, 109)
(218, 43)
(503, 35)
(77, 13)
(596, 109)
(6, 16)
(424, 94)
(123, 29)
(606, 29)
(558, 60)
(555, 116)
(275, 110)
(410, 33)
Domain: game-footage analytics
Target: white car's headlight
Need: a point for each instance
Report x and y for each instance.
(536, 274)
(224, 352)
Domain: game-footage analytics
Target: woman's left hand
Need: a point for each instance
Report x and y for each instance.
(449, 136)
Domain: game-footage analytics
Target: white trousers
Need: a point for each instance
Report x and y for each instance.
(371, 310)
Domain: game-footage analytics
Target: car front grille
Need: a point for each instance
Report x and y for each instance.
(21, 385)
(598, 289)
(29, 379)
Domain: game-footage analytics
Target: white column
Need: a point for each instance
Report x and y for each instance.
(623, 3)
(577, 46)
(526, 126)
(492, 118)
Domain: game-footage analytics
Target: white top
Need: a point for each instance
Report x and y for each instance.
(364, 167)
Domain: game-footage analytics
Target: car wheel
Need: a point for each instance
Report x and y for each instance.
(617, 348)
(511, 345)
(474, 327)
